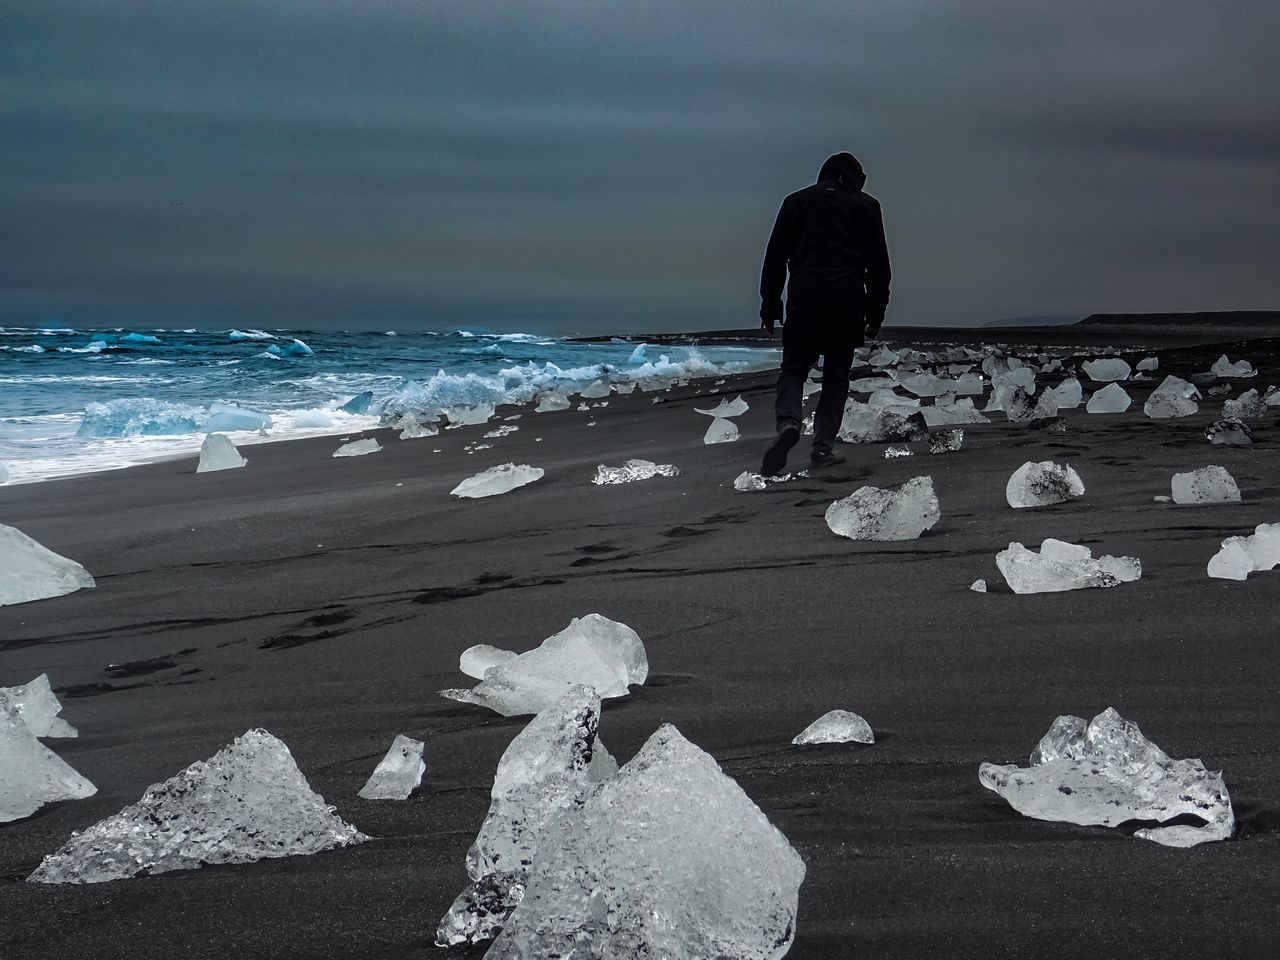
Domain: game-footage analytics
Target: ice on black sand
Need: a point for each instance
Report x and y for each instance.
(1063, 566)
(1210, 484)
(1106, 773)
(219, 453)
(30, 571)
(836, 726)
(38, 707)
(1240, 556)
(1041, 484)
(358, 448)
(31, 774)
(872, 513)
(632, 471)
(398, 773)
(497, 480)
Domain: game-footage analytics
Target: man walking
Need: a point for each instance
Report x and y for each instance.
(829, 238)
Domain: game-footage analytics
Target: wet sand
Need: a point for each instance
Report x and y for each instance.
(328, 600)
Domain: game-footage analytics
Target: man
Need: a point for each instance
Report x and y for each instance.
(830, 238)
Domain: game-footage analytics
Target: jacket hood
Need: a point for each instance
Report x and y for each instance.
(845, 168)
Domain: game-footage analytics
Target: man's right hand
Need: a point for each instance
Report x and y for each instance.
(767, 323)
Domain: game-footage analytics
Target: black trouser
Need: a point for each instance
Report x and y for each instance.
(800, 351)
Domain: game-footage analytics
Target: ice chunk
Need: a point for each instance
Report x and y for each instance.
(1174, 397)
(1019, 406)
(228, 416)
(1110, 399)
(1205, 485)
(298, 349)
(549, 402)
(1248, 406)
(1107, 369)
(632, 471)
(865, 424)
(961, 411)
(1043, 483)
(891, 453)
(1106, 773)
(476, 660)
(1272, 397)
(901, 513)
(1062, 566)
(496, 480)
(1241, 556)
(358, 448)
(548, 768)
(1149, 363)
(837, 726)
(946, 441)
(1222, 367)
(411, 428)
(721, 431)
(247, 802)
(594, 650)
(1068, 394)
(359, 404)
(1229, 432)
(747, 482)
(596, 389)
(29, 571)
(398, 773)
(218, 453)
(31, 774)
(668, 858)
(464, 415)
(726, 408)
(978, 586)
(38, 707)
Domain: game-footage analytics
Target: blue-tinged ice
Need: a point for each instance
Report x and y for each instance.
(359, 404)
(31, 774)
(30, 571)
(227, 416)
(298, 349)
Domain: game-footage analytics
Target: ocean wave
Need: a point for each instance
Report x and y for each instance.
(250, 335)
(29, 348)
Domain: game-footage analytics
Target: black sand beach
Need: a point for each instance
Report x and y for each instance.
(328, 600)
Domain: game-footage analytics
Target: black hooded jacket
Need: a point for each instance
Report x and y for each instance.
(830, 238)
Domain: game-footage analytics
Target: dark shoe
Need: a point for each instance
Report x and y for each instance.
(825, 458)
(775, 458)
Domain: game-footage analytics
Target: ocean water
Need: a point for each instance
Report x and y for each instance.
(80, 400)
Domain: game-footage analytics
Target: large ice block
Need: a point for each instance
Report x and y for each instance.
(669, 859)
(1223, 367)
(1106, 773)
(1107, 369)
(594, 650)
(1062, 566)
(863, 423)
(872, 513)
(219, 453)
(398, 773)
(29, 571)
(1174, 397)
(497, 480)
(548, 768)
(38, 707)
(1229, 432)
(836, 726)
(247, 802)
(1110, 399)
(1241, 556)
(1043, 483)
(1248, 406)
(1210, 484)
(31, 774)
(1068, 394)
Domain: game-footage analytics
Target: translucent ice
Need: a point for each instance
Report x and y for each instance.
(1229, 432)
(1149, 363)
(668, 858)
(1068, 394)
(1043, 483)
(1205, 485)
(246, 802)
(593, 650)
(1107, 369)
(946, 441)
(863, 423)
(29, 571)
(633, 470)
(548, 402)
(359, 404)
(721, 431)
(901, 513)
(38, 707)
(358, 448)
(1174, 397)
(398, 773)
(726, 408)
(978, 586)
(596, 389)
(1019, 406)
(747, 482)
(1046, 407)
(31, 774)
(1248, 406)
(500, 479)
(1223, 367)
(505, 430)
(218, 453)
(464, 415)
(1110, 399)
(1062, 566)
(476, 660)
(961, 411)
(411, 428)
(1241, 556)
(548, 768)
(892, 453)
(837, 726)
(1272, 397)
(1106, 773)
(228, 416)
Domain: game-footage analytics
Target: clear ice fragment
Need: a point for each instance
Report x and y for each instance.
(669, 858)
(1062, 566)
(1174, 397)
(946, 441)
(504, 430)
(31, 774)
(358, 448)
(1210, 484)
(465, 415)
(548, 402)
(1229, 432)
(247, 802)
(1148, 363)
(1068, 394)
(837, 726)
(219, 453)
(1110, 399)
(978, 586)
(1043, 483)
(398, 773)
(594, 650)
(497, 480)
(1107, 369)
(1241, 556)
(478, 659)
(872, 513)
(1106, 773)
(726, 408)
(892, 453)
(1222, 367)
(633, 470)
(1248, 406)
(29, 571)
(720, 431)
(38, 707)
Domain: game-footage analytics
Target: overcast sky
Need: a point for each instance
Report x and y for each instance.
(566, 166)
